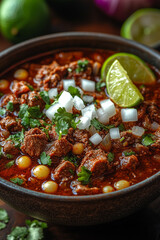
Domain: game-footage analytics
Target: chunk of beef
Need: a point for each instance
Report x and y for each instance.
(129, 138)
(64, 171)
(51, 81)
(81, 136)
(80, 189)
(154, 113)
(34, 143)
(155, 146)
(11, 98)
(95, 161)
(141, 150)
(10, 124)
(32, 99)
(9, 148)
(128, 162)
(59, 148)
(19, 87)
(52, 134)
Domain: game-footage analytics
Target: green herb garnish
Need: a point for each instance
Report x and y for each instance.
(17, 180)
(72, 159)
(2, 111)
(100, 85)
(110, 157)
(17, 138)
(74, 91)
(9, 164)
(63, 121)
(3, 218)
(45, 159)
(82, 65)
(128, 153)
(121, 127)
(84, 175)
(147, 139)
(99, 126)
(30, 87)
(44, 95)
(10, 106)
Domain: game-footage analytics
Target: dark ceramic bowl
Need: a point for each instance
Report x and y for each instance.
(78, 210)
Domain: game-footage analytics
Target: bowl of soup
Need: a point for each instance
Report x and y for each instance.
(80, 134)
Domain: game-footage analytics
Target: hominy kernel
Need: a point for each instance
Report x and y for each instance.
(21, 74)
(40, 172)
(23, 162)
(50, 187)
(121, 184)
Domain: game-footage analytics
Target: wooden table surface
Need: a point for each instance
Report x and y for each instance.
(144, 225)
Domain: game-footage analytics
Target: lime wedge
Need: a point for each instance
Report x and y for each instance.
(135, 67)
(120, 87)
(143, 26)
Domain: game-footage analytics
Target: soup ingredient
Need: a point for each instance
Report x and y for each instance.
(4, 84)
(120, 87)
(114, 133)
(67, 83)
(50, 187)
(21, 74)
(78, 148)
(45, 159)
(88, 85)
(17, 180)
(129, 115)
(21, 20)
(23, 162)
(95, 139)
(143, 26)
(41, 172)
(108, 107)
(107, 189)
(121, 184)
(147, 139)
(84, 175)
(3, 218)
(135, 67)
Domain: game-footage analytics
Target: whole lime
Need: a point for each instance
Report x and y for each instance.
(23, 19)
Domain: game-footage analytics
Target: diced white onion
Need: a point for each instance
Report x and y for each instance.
(78, 103)
(67, 83)
(106, 142)
(138, 131)
(114, 133)
(95, 139)
(129, 115)
(154, 126)
(52, 110)
(90, 111)
(88, 85)
(88, 99)
(53, 92)
(84, 123)
(102, 116)
(66, 101)
(108, 107)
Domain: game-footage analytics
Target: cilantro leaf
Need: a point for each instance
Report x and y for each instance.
(2, 111)
(63, 121)
(17, 180)
(18, 233)
(74, 91)
(44, 95)
(72, 158)
(82, 65)
(23, 110)
(110, 157)
(128, 153)
(147, 139)
(17, 138)
(10, 106)
(9, 164)
(35, 112)
(121, 127)
(100, 85)
(99, 126)
(45, 159)
(84, 175)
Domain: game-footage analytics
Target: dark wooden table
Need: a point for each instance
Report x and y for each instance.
(144, 225)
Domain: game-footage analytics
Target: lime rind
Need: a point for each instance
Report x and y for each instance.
(127, 25)
(136, 68)
(120, 87)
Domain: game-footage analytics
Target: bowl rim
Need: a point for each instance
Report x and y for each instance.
(77, 198)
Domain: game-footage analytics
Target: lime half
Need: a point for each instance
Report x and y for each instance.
(143, 26)
(120, 87)
(135, 67)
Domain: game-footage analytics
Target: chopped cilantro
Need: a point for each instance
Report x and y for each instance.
(17, 180)
(128, 153)
(147, 139)
(35, 112)
(63, 121)
(82, 65)
(1, 151)
(121, 127)
(18, 233)
(110, 157)
(30, 87)
(17, 138)
(44, 95)
(99, 126)
(72, 159)
(3, 218)
(74, 91)
(9, 164)
(45, 159)
(2, 111)
(23, 110)
(9, 156)
(34, 123)
(10, 106)
(100, 85)
(1, 94)
(84, 175)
